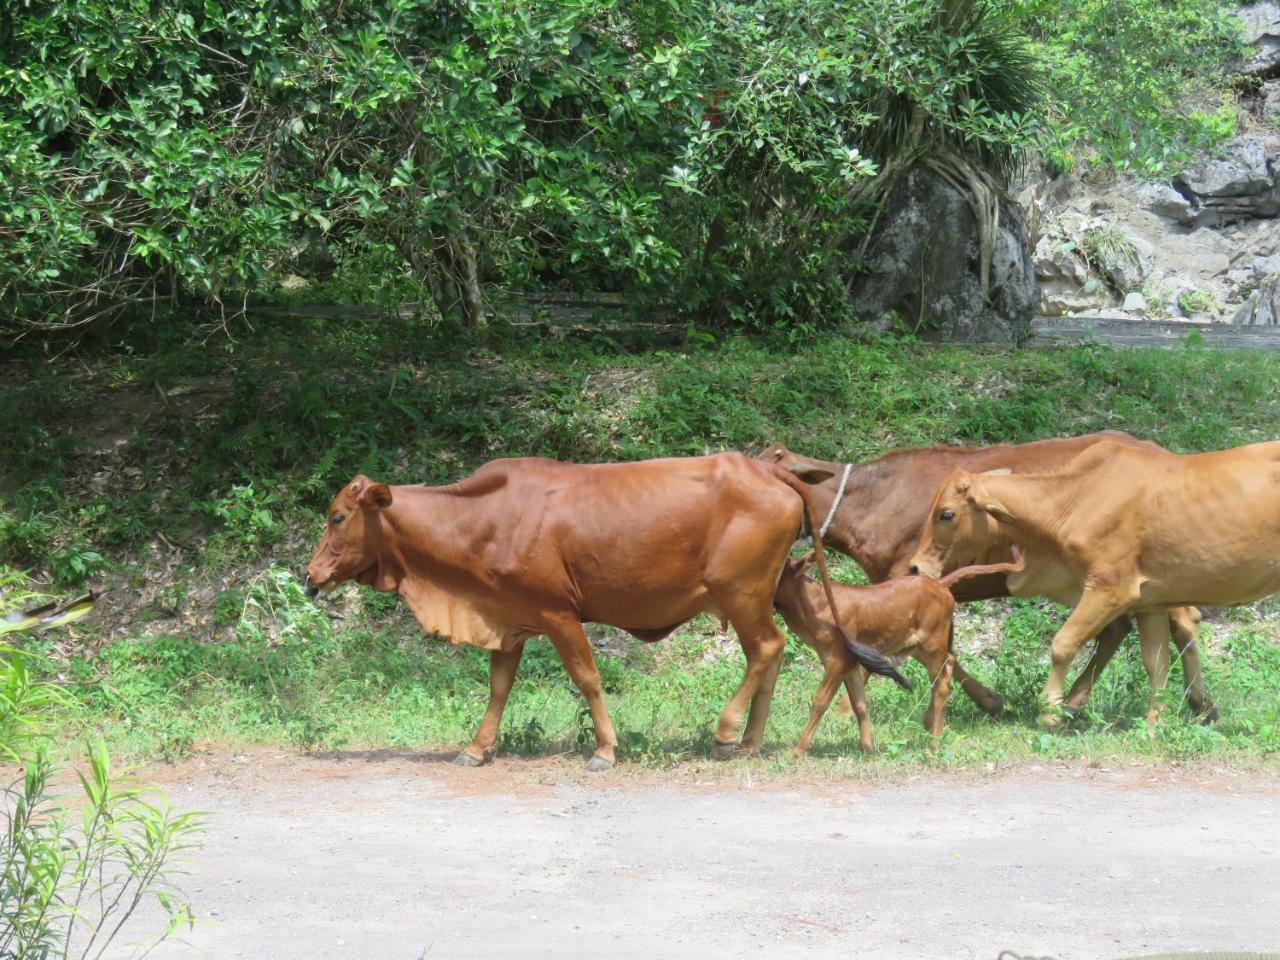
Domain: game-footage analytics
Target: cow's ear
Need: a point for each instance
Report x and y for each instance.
(998, 510)
(811, 472)
(807, 562)
(376, 495)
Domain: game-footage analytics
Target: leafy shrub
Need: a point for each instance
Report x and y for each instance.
(1127, 77)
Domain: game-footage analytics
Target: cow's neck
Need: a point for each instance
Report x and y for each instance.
(867, 526)
(1037, 506)
(436, 538)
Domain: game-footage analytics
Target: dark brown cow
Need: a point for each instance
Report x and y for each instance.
(884, 509)
(526, 547)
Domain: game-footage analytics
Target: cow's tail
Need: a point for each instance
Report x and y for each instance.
(982, 569)
(873, 660)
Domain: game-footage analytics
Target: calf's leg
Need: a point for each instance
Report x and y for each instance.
(502, 674)
(571, 643)
(940, 665)
(855, 681)
(833, 672)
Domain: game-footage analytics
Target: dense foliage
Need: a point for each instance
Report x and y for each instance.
(727, 153)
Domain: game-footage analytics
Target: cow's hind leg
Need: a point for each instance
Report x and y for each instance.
(988, 701)
(571, 643)
(1184, 625)
(762, 643)
(502, 674)
(1153, 628)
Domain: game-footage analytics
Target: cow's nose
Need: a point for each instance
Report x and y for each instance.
(914, 570)
(307, 588)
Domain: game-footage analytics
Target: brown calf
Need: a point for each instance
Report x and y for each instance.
(905, 617)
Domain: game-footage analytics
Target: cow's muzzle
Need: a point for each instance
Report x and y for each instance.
(309, 588)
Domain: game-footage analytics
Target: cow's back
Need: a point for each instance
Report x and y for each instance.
(631, 542)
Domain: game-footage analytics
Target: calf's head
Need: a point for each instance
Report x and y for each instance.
(354, 543)
(961, 529)
(791, 596)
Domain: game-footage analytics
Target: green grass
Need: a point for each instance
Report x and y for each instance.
(189, 478)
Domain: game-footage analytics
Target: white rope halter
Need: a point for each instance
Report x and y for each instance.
(835, 505)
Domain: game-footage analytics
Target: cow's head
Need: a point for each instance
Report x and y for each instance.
(802, 468)
(353, 546)
(790, 594)
(962, 527)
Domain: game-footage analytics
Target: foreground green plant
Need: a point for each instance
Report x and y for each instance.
(69, 885)
(74, 868)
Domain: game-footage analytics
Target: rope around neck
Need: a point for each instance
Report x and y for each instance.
(835, 504)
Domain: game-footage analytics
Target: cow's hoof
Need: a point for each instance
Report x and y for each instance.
(996, 706)
(1209, 715)
(467, 760)
(723, 751)
(598, 765)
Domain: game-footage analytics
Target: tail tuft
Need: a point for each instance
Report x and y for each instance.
(874, 661)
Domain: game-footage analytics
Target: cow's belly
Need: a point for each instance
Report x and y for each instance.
(647, 610)
(1214, 587)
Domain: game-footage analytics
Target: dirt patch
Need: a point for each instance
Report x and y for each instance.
(394, 854)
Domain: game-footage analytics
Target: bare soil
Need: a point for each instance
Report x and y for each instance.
(402, 855)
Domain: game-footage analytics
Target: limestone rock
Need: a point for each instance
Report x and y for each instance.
(1269, 101)
(922, 267)
(1162, 200)
(1262, 32)
(1240, 182)
(1263, 306)
(1135, 303)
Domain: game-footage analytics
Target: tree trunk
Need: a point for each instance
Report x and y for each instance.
(454, 281)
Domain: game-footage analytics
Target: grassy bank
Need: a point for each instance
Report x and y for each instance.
(189, 478)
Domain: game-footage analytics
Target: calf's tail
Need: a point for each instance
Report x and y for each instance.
(873, 660)
(982, 569)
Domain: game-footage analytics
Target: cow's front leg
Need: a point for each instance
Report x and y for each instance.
(502, 674)
(571, 643)
(1094, 611)
(1109, 640)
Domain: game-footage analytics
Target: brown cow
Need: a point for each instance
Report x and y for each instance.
(883, 510)
(525, 547)
(906, 616)
(1119, 530)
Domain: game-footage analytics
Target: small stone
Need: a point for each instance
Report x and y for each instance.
(1135, 302)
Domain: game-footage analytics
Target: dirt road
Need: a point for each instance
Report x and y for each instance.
(405, 857)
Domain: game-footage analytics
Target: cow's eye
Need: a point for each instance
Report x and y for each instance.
(946, 516)
(336, 519)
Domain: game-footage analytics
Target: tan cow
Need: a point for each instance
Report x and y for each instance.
(876, 512)
(1120, 529)
(526, 547)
